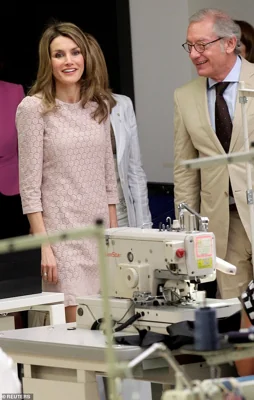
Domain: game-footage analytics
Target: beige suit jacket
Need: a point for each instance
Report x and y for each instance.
(207, 190)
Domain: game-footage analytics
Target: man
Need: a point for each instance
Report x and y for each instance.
(208, 123)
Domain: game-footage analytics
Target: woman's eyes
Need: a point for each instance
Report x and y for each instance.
(74, 53)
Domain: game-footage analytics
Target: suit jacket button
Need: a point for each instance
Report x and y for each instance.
(226, 194)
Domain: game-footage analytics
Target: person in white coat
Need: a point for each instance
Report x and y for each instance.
(9, 381)
(133, 207)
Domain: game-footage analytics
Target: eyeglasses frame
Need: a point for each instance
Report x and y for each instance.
(203, 44)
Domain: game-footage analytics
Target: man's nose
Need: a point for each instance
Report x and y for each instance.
(194, 53)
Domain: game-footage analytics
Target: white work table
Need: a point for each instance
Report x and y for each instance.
(63, 341)
(45, 301)
(63, 363)
(60, 362)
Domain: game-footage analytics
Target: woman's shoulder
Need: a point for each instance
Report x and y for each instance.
(124, 106)
(9, 85)
(122, 100)
(12, 91)
(31, 103)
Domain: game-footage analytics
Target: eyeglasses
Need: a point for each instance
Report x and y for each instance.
(199, 47)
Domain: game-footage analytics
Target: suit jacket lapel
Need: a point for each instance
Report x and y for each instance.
(202, 106)
(247, 71)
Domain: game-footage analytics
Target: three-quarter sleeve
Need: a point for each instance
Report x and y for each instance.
(30, 127)
(111, 185)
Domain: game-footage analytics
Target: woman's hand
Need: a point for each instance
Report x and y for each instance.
(48, 264)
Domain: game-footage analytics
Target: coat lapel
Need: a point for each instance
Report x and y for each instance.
(247, 72)
(202, 106)
(117, 121)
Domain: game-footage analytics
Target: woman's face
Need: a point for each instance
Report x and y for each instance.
(67, 61)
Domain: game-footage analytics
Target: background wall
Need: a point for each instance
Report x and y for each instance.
(159, 66)
(238, 9)
(158, 28)
(21, 28)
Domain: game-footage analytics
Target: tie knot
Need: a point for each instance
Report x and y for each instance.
(221, 87)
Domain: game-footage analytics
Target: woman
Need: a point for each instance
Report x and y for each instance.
(67, 176)
(247, 40)
(133, 207)
(13, 222)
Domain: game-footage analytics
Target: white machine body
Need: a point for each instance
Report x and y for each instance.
(153, 273)
(142, 259)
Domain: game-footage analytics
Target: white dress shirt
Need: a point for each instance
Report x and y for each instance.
(230, 94)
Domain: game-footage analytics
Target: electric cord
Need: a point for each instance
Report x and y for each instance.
(132, 305)
(129, 322)
(97, 324)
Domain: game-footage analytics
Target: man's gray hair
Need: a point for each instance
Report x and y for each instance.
(224, 25)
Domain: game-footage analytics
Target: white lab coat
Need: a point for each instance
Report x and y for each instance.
(9, 381)
(130, 169)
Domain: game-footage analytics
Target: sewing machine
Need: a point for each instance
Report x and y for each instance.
(153, 275)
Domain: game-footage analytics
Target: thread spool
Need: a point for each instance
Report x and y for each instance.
(206, 334)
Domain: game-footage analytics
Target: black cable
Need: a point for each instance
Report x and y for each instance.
(97, 323)
(129, 322)
(118, 322)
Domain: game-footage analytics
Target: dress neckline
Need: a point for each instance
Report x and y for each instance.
(64, 103)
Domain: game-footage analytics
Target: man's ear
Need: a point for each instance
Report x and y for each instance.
(230, 45)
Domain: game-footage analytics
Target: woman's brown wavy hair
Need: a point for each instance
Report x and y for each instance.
(247, 38)
(94, 82)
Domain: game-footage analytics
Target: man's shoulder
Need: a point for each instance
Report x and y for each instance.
(197, 83)
(247, 70)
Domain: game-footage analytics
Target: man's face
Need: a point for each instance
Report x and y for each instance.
(213, 62)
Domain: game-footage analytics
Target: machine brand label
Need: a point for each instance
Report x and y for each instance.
(113, 254)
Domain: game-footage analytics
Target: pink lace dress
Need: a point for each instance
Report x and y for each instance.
(67, 173)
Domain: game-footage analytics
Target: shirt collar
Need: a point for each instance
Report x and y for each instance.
(233, 75)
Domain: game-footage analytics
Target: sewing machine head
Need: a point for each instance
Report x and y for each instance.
(151, 272)
(148, 264)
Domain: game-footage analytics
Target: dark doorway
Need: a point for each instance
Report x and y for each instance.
(22, 24)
